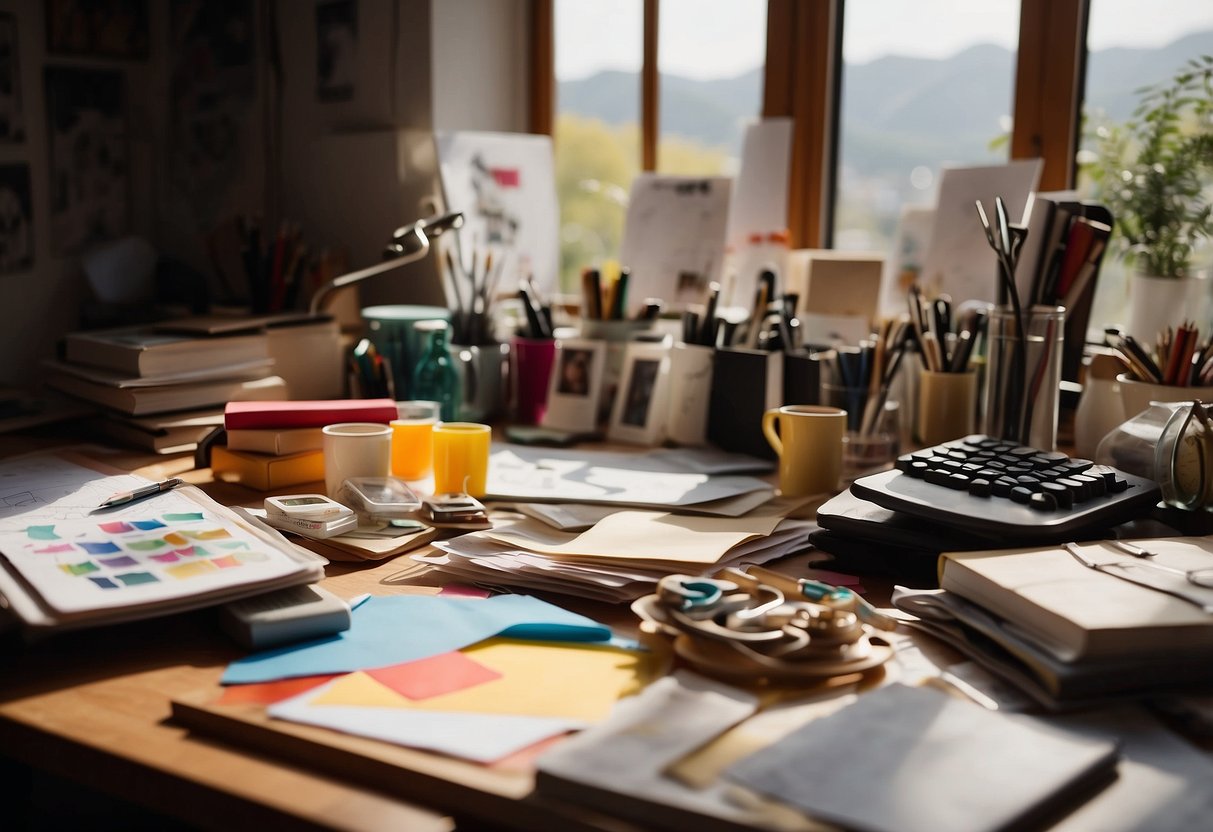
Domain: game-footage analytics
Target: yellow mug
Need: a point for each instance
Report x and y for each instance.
(808, 440)
(461, 457)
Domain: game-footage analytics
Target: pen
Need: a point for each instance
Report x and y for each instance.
(124, 497)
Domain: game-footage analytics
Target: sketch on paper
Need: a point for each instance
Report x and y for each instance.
(336, 49)
(89, 187)
(16, 219)
(12, 118)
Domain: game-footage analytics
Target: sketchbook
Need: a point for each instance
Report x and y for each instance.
(66, 564)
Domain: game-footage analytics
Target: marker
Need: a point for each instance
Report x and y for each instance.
(124, 497)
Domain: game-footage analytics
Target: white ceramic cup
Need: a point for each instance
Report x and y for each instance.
(355, 449)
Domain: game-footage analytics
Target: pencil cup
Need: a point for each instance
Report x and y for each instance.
(1137, 395)
(532, 365)
(808, 440)
(690, 390)
(482, 379)
(412, 440)
(854, 400)
(866, 451)
(391, 330)
(355, 449)
(947, 406)
(1023, 376)
(461, 457)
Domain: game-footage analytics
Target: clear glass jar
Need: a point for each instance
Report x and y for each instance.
(435, 377)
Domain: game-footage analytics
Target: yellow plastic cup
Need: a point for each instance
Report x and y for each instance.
(461, 457)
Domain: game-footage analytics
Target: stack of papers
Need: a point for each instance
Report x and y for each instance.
(623, 555)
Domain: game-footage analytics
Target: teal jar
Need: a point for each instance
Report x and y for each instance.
(435, 377)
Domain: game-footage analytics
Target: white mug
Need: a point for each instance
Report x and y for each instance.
(355, 449)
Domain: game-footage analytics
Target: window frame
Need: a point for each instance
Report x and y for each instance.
(802, 80)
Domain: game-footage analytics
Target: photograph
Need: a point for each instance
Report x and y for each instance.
(336, 49)
(639, 412)
(97, 28)
(576, 387)
(16, 219)
(87, 134)
(12, 119)
(575, 368)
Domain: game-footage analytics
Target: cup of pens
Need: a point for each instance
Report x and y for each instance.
(1023, 375)
(1176, 368)
(858, 381)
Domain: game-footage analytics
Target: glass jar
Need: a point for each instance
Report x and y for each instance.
(435, 377)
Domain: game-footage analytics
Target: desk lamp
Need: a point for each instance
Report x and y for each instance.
(409, 244)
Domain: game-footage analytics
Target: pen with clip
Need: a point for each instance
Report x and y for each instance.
(124, 497)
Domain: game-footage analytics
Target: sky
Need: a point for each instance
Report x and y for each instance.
(723, 38)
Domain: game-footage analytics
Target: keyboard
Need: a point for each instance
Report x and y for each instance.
(996, 488)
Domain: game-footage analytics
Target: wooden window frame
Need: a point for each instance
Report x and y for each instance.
(802, 80)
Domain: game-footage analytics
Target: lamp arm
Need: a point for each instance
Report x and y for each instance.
(336, 283)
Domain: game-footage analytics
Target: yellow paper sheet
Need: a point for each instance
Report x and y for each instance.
(555, 680)
(656, 536)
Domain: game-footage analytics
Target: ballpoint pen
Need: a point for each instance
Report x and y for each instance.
(124, 497)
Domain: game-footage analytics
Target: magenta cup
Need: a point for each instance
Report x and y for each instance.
(533, 359)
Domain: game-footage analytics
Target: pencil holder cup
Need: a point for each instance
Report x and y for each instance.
(866, 451)
(1023, 375)
(1137, 395)
(690, 393)
(856, 401)
(947, 406)
(532, 371)
(482, 379)
(391, 330)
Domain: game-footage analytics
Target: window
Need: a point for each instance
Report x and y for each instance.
(1126, 51)
(915, 95)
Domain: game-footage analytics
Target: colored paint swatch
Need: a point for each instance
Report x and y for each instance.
(188, 551)
(117, 527)
(201, 551)
(190, 569)
(120, 562)
(80, 568)
(434, 676)
(56, 550)
(102, 548)
(252, 557)
(147, 545)
(166, 557)
(42, 533)
(147, 525)
(175, 539)
(225, 562)
(234, 544)
(209, 534)
(136, 578)
(104, 583)
(182, 516)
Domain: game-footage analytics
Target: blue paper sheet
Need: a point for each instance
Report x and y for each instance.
(391, 630)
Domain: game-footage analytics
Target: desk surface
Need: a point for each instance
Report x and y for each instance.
(94, 706)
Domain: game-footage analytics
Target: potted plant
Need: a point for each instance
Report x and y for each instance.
(1155, 174)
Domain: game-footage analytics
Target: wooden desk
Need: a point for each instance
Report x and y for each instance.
(93, 707)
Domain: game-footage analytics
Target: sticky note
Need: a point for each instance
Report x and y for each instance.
(425, 678)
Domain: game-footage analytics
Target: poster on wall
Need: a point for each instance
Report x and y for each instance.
(12, 119)
(87, 137)
(336, 49)
(214, 83)
(16, 219)
(97, 28)
(505, 185)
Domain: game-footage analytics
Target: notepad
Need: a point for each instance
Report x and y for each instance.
(918, 760)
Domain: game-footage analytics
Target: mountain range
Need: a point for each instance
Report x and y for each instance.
(893, 107)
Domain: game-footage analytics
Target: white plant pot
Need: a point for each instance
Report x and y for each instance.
(1156, 303)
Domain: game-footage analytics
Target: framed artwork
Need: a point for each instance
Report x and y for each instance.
(639, 411)
(12, 118)
(87, 133)
(336, 49)
(16, 219)
(97, 28)
(576, 386)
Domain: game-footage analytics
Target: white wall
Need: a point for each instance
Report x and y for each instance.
(481, 55)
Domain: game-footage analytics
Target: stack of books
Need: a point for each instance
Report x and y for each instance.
(163, 391)
(277, 444)
(1072, 635)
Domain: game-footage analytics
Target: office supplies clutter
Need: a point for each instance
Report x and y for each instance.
(752, 625)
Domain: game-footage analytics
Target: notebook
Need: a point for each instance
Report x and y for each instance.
(919, 760)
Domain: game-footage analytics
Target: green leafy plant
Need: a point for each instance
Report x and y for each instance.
(1153, 172)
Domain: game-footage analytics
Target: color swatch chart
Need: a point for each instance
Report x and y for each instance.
(163, 554)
